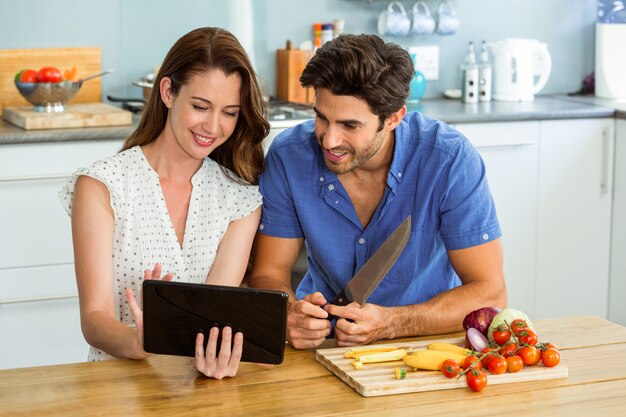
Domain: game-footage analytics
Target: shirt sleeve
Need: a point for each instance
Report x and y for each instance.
(468, 213)
(245, 199)
(66, 193)
(279, 217)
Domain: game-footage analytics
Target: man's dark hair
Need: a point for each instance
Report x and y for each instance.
(363, 66)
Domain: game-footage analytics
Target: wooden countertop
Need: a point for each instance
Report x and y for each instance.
(593, 349)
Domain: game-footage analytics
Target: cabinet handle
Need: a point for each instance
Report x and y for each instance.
(35, 177)
(604, 184)
(35, 299)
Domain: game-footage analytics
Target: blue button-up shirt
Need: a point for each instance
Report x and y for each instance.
(436, 176)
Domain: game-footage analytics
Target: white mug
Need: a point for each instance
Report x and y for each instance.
(423, 21)
(448, 22)
(393, 22)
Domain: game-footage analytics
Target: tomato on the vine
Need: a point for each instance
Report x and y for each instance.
(488, 353)
(497, 365)
(514, 363)
(476, 380)
(550, 357)
(473, 361)
(509, 349)
(501, 335)
(450, 368)
(518, 325)
(530, 355)
(528, 337)
(543, 346)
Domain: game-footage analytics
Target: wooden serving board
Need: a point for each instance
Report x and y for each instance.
(86, 59)
(377, 379)
(75, 115)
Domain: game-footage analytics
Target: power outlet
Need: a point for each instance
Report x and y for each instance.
(426, 60)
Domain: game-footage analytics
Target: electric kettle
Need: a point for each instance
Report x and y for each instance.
(521, 68)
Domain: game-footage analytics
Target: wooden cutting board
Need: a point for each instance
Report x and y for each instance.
(87, 61)
(377, 379)
(75, 115)
(289, 66)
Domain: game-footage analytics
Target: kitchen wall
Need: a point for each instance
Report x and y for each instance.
(135, 34)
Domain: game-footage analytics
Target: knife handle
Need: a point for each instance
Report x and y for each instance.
(340, 300)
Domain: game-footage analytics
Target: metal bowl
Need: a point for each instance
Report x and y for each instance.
(49, 97)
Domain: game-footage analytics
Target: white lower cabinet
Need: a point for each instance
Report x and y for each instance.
(617, 285)
(574, 217)
(510, 154)
(39, 315)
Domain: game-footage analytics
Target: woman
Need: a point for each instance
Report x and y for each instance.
(180, 196)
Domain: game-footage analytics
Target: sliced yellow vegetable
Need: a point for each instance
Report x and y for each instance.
(357, 365)
(368, 349)
(431, 359)
(394, 355)
(400, 373)
(448, 347)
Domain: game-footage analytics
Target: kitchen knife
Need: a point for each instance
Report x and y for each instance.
(365, 281)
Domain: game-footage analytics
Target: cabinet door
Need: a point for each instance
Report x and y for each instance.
(617, 293)
(574, 217)
(510, 154)
(40, 317)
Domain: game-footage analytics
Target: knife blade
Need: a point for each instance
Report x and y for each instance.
(365, 281)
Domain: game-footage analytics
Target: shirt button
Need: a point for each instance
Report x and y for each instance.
(321, 179)
(361, 241)
(331, 187)
(400, 174)
(261, 227)
(485, 236)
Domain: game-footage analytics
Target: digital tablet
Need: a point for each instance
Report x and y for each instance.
(175, 312)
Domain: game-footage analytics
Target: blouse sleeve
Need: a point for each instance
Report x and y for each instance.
(66, 193)
(244, 200)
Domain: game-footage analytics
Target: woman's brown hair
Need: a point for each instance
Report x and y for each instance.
(202, 50)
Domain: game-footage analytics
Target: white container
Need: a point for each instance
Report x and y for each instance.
(610, 60)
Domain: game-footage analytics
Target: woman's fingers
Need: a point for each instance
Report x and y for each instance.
(200, 359)
(156, 272)
(235, 356)
(222, 364)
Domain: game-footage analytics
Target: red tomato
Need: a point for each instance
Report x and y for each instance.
(550, 357)
(488, 353)
(473, 361)
(476, 380)
(543, 346)
(528, 337)
(518, 325)
(497, 365)
(509, 349)
(501, 335)
(450, 368)
(28, 76)
(49, 75)
(530, 355)
(514, 363)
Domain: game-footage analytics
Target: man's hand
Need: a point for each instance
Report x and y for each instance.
(367, 323)
(307, 326)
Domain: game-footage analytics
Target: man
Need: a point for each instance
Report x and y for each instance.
(343, 183)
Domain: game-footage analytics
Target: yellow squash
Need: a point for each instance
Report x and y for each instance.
(448, 347)
(431, 359)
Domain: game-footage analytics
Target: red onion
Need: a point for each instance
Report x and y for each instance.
(480, 319)
(477, 339)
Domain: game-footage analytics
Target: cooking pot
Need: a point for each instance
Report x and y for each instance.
(521, 68)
